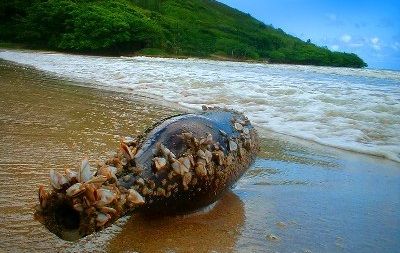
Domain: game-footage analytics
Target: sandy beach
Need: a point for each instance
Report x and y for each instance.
(299, 196)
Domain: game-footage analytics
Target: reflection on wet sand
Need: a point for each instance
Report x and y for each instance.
(215, 230)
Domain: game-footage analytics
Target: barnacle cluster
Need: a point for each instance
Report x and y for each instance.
(88, 201)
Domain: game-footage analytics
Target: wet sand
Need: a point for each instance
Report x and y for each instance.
(298, 196)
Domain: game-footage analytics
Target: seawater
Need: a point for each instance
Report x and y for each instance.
(352, 109)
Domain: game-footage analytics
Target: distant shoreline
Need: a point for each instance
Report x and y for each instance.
(16, 46)
(10, 45)
(213, 57)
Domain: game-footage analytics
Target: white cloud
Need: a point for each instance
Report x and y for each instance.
(375, 43)
(345, 38)
(335, 47)
(375, 40)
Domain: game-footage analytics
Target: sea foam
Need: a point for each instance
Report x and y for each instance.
(352, 109)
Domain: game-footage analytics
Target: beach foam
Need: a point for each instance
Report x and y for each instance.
(352, 109)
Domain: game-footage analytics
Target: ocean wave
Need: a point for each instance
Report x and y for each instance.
(351, 109)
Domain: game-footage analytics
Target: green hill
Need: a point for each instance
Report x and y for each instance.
(201, 28)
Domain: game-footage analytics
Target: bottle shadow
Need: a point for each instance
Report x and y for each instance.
(216, 229)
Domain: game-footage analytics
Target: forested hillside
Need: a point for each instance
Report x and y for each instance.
(201, 28)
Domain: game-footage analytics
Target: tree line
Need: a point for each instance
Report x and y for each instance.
(202, 28)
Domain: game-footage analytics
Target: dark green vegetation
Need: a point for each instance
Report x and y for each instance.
(202, 28)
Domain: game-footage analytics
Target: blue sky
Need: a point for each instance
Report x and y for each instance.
(371, 29)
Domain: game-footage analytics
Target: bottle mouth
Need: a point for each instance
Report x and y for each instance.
(67, 222)
(66, 217)
(61, 219)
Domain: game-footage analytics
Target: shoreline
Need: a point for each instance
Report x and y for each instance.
(308, 197)
(212, 57)
(177, 57)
